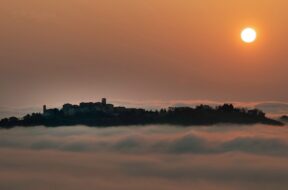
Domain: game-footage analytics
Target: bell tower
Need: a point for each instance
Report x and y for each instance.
(104, 101)
(44, 109)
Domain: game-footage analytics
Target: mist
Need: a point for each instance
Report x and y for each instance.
(141, 157)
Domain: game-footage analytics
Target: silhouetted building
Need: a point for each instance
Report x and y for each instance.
(69, 109)
(44, 109)
(51, 112)
(104, 101)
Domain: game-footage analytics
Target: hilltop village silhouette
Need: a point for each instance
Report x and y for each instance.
(102, 114)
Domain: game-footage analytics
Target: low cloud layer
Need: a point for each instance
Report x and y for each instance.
(274, 107)
(144, 157)
(256, 139)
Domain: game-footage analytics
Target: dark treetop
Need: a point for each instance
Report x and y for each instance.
(102, 114)
(284, 118)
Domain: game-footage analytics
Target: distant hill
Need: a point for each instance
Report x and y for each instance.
(273, 108)
(102, 114)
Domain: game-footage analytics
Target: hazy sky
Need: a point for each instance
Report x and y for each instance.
(58, 51)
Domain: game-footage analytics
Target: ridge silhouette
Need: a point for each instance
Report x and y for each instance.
(101, 114)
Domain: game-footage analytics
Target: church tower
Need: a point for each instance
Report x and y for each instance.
(44, 109)
(104, 101)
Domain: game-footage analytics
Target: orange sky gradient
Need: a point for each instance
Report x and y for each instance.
(61, 51)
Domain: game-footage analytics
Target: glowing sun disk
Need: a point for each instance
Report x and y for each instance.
(248, 35)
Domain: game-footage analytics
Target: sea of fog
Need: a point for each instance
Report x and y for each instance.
(221, 157)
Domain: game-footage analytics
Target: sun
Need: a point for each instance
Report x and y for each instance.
(248, 35)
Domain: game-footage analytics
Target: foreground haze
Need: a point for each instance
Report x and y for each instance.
(152, 157)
